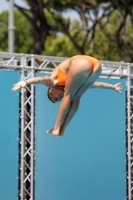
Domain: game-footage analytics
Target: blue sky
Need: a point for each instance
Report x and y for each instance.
(5, 6)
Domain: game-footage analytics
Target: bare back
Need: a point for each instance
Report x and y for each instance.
(64, 66)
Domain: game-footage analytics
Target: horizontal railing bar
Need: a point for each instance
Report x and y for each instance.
(113, 74)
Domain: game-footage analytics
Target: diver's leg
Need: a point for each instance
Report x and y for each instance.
(89, 82)
(77, 75)
(76, 100)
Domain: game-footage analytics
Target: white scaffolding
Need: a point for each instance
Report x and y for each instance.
(28, 65)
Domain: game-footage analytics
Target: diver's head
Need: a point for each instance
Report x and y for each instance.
(55, 94)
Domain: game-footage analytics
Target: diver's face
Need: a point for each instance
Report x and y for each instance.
(56, 94)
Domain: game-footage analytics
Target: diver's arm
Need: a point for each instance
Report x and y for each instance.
(49, 81)
(46, 80)
(101, 85)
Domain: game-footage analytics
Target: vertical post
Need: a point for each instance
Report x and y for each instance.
(27, 132)
(22, 132)
(32, 128)
(129, 134)
(11, 27)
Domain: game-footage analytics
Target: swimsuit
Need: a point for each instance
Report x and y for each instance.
(62, 76)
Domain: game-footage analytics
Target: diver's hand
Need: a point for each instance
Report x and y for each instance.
(19, 85)
(118, 87)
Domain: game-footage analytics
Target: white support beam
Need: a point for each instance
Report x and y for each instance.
(11, 27)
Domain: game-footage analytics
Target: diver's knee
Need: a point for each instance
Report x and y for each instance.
(76, 100)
